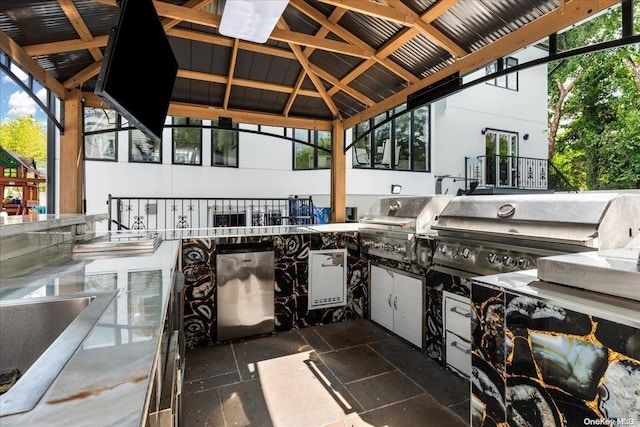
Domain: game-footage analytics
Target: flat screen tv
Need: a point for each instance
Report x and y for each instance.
(139, 68)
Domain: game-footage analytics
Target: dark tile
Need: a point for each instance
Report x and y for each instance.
(383, 389)
(311, 336)
(443, 384)
(244, 405)
(208, 361)
(251, 351)
(420, 411)
(354, 332)
(194, 386)
(463, 410)
(202, 409)
(355, 363)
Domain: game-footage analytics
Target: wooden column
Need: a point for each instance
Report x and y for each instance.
(338, 174)
(71, 155)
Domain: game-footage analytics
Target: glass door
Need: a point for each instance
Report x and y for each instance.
(501, 153)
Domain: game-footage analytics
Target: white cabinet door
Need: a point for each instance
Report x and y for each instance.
(408, 306)
(381, 297)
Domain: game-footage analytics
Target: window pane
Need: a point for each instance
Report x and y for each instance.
(382, 146)
(100, 146)
(361, 157)
(421, 161)
(143, 149)
(187, 142)
(403, 151)
(303, 154)
(324, 157)
(225, 148)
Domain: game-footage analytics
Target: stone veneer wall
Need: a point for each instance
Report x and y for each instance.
(291, 275)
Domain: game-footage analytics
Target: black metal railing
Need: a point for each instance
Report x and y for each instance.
(507, 172)
(525, 173)
(163, 213)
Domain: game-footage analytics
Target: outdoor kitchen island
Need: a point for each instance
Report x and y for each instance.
(105, 375)
(548, 354)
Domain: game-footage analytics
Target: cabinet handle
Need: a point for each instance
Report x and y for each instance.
(461, 313)
(465, 350)
(395, 303)
(389, 301)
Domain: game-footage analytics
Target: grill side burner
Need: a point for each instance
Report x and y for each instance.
(484, 235)
(390, 227)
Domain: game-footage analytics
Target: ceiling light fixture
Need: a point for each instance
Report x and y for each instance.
(251, 20)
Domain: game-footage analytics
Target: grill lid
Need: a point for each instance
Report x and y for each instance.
(597, 220)
(405, 213)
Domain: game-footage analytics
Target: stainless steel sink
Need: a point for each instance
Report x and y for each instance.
(38, 337)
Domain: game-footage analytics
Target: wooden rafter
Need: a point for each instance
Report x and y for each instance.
(78, 24)
(312, 76)
(232, 69)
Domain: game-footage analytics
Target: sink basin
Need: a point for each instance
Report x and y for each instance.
(39, 336)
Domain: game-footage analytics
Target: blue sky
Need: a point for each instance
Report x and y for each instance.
(14, 102)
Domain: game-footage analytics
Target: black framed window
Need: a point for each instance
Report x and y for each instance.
(143, 149)
(395, 140)
(187, 141)
(507, 81)
(99, 144)
(306, 155)
(224, 147)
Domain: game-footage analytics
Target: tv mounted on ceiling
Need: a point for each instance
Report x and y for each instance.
(139, 68)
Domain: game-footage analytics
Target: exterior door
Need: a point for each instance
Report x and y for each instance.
(501, 151)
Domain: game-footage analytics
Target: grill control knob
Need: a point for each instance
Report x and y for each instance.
(400, 249)
(492, 257)
(466, 252)
(444, 249)
(508, 261)
(525, 263)
(378, 245)
(456, 253)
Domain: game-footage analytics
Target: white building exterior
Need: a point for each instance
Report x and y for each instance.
(265, 163)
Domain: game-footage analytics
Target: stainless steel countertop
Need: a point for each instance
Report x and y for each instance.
(107, 380)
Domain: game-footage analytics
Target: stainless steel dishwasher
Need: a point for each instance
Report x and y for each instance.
(245, 290)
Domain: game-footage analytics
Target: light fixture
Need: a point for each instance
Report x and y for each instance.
(483, 131)
(395, 188)
(526, 136)
(251, 20)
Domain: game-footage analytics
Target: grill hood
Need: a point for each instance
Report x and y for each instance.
(592, 220)
(410, 214)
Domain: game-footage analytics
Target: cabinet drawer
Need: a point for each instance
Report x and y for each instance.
(457, 316)
(458, 354)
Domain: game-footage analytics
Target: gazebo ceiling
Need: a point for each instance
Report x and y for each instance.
(326, 60)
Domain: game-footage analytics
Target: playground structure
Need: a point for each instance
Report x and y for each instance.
(19, 183)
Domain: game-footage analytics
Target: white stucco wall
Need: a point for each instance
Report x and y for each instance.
(265, 162)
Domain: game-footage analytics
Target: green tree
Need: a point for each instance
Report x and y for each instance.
(24, 136)
(594, 98)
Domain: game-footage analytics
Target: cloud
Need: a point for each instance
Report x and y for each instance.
(19, 74)
(20, 104)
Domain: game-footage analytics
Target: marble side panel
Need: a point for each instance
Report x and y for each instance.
(291, 252)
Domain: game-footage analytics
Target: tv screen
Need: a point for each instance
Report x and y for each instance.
(139, 68)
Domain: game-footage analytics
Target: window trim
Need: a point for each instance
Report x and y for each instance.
(132, 160)
(188, 124)
(236, 137)
(391, 116)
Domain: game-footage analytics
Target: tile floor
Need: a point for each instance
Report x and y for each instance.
(343, 374)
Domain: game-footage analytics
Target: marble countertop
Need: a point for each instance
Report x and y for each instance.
(526, 282)
(107, 380)
(18, 224)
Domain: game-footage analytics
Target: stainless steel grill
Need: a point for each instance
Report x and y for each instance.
(495, 234)
(390, 228)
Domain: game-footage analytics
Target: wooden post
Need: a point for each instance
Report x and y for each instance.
(338, 174)
(71, 155)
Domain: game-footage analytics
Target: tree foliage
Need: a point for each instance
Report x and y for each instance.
(24, 136)
(594, 120)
